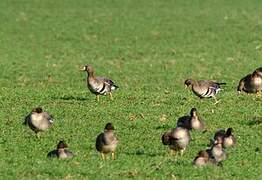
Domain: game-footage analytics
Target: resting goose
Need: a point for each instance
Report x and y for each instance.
(203, 158)
(194, 121)
(251, 83)
(227, 136)
(61, 151)
(39, 120)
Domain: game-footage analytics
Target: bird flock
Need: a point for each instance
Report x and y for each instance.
(177, 138)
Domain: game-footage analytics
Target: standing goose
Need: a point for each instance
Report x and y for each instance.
(217, 151)
(204, 88)
(228, 138)
(107, 141)
(61, 151)
(194, 121)
(39, 120)
(177, 139)
(99, 85)
(251, 83)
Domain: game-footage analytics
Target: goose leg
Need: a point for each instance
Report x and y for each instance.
(113, 155)
(172, 152)
(97, 98)
(182, 151)
(216, 101)
(103, 156)
(111, 96)
(37, 135)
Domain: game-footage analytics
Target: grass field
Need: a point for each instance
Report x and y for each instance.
(148, 48)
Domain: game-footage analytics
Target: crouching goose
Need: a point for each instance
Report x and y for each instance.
(203, 158)
(251, 83)
(99, 85)
(61, 151)
(204, 88)
(107, 141)
(39, 120)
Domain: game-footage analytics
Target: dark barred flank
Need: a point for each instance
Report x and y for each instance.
(204, 88)
(99, 85)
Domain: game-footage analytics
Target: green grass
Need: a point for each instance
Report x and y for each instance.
(148, 48)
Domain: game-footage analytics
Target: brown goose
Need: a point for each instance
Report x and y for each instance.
(203, 158)
(177, 139)
(228, 138)
(107, 141)
(194, 121)
(61, 151)
(39, 120)
(99, 85)
(217, 151)
(204, 88)
(252, 83)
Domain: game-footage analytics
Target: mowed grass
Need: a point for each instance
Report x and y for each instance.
(148, 48)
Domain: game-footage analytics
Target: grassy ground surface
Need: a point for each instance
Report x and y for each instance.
(148, 48)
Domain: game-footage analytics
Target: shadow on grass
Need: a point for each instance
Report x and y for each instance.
(70, 98)
(165, 127)
(255, 121)
(26, 119)
(144, 153)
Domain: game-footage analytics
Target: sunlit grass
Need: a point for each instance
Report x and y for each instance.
(148, 48)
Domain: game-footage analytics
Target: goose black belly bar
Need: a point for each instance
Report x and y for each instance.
(99, 85)
(204, 88)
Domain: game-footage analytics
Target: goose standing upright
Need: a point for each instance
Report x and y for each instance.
(107, 141)
(177, 139)
(217, 151)
(99, 85)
